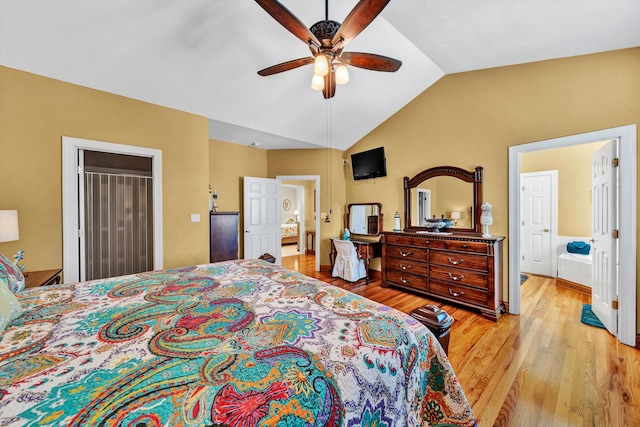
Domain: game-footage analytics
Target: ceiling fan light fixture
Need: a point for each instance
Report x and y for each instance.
(342, 74)
(321, 65)
(317, 82)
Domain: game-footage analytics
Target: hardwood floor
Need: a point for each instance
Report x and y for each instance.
(541, 368)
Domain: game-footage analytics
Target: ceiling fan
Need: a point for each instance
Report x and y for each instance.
(326, 39)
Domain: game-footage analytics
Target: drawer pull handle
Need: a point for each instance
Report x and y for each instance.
(405, 253)
(405, 267)
(405, 281)
(456, 294)
(456, 278)
(455, 262)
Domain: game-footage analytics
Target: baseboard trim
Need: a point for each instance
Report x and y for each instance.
(585, 290)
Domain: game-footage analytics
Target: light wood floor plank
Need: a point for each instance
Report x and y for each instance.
(541, 368)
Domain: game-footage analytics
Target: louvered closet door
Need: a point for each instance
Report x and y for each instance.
(118, 224)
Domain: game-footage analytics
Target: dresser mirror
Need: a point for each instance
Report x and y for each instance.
(443, 192)
(364, 219)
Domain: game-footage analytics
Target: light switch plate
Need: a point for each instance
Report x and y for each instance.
(195, 217)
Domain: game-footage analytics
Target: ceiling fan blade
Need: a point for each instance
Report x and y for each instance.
(286, 66)
(329, 89)
(289, 21)
(358, 19)
(370, 61)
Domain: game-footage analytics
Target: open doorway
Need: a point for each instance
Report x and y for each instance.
(626, 226)
(308, 217)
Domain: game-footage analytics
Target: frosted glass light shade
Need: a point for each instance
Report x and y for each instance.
(321, 65)
(9, 231)
(342, 74)
(317, 82)
(455, 214)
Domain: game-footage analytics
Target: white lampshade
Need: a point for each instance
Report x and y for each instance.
(321, 65)
(317, 82)
(9, 226)
(296, 212)
(486, 218)
(342, 74)
(455, 214)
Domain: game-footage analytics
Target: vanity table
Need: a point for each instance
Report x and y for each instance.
(366, 251)
(456, 265)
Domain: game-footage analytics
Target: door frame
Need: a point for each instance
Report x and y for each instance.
(70, 200)
(315, 178)
(553, 212)
(626, 225)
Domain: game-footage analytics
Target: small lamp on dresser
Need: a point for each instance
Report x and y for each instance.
(455, 216)
(486, 219)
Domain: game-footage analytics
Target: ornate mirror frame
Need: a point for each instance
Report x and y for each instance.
(474, 177)
(379, 222)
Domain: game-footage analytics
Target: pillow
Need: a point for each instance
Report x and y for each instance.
(12, 274)
(10, 308)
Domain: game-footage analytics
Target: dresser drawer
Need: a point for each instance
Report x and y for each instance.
(458, 292)
(397, 240)
(407, 279)
(407, 265)
(461, 245)
(459, 259)
(407, 252)
(428, 243)
(459, 276)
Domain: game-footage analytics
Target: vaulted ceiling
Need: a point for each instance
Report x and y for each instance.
(202, 56)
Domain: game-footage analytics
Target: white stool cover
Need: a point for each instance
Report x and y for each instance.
(347, 264)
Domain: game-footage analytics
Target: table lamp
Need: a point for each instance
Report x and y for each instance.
(455, 216)
(9, 231)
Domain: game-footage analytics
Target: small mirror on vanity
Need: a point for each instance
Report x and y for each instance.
(443, 192)
(364, 219)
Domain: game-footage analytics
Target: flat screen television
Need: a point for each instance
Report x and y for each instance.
(369, 164)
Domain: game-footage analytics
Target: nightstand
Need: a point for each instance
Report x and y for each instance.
(33, 279)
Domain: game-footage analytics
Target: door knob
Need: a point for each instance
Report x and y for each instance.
(546, 230)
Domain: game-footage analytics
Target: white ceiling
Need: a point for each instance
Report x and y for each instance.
(202, 56)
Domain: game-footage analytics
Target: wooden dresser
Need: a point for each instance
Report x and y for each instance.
(223, 236)
(463, 269)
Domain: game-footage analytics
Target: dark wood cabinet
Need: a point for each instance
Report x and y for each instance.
(459, 268)
(223, 236)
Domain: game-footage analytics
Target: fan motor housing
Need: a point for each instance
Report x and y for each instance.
(325, 30)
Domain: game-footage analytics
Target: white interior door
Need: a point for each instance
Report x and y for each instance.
(262, 232)
(604, 250)
(537, 223)
(424, 206)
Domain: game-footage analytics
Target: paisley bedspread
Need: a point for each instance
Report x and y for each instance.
(237, 343)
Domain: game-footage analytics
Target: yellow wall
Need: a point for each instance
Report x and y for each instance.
(35, 112)
(471, 119)
(228, 163)
(574, 184)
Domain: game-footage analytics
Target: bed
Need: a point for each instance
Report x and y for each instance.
(236, 343)
(290, 232)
